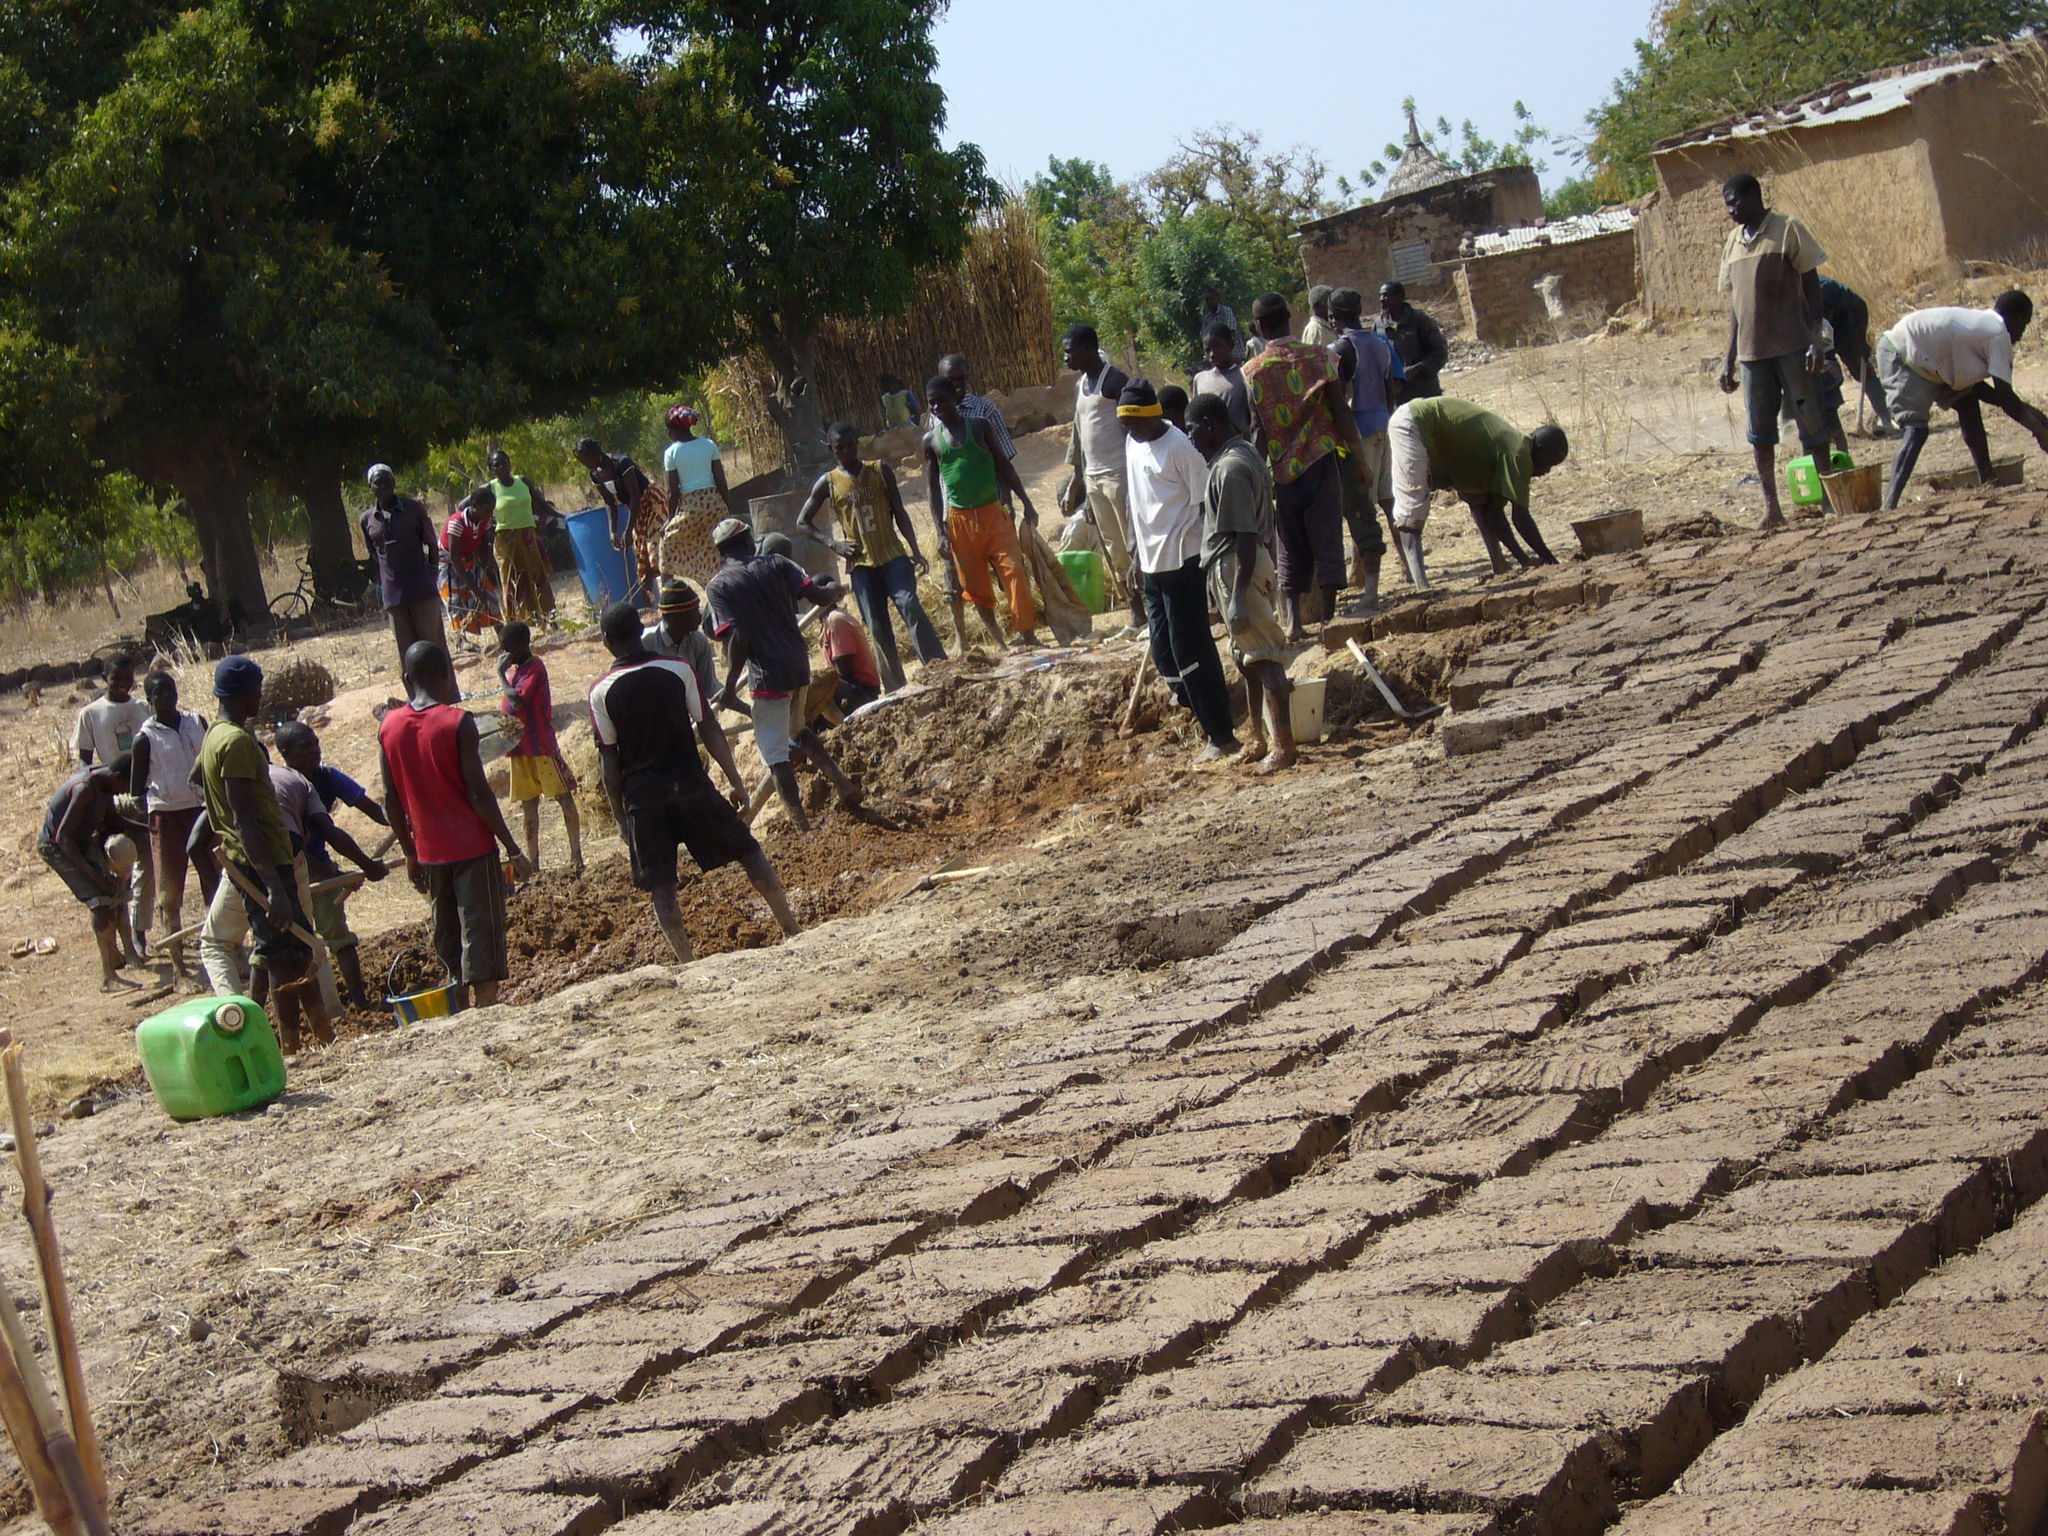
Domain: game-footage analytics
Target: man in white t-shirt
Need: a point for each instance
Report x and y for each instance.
(106, 727)
(1958, 358)
(1164, 477)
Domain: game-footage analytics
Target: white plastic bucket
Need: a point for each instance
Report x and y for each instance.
(1305, 710)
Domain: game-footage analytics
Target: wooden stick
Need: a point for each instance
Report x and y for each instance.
(35, 1204)
(57, 1452)
(1137, 689)
(17, 1410)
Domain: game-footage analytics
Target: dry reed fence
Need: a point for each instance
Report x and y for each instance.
(994, 305)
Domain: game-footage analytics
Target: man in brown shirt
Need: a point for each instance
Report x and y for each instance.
(1770, 270)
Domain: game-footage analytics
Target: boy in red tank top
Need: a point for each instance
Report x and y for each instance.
(448, 823)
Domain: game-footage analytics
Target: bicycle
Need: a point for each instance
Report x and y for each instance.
(298, 603)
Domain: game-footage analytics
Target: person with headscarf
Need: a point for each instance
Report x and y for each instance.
(698, 498)
(400, 537)
(522, 563)
(469, 567)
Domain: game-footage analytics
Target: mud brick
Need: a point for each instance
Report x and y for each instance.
(971, 1189)
(696, 1330)
(679, 1248)
(852, 1368)
(1094, 1512)
(920, 1471)
(966, 1113)
(1642, 1195)
(1932, 1384)
(1606, 1079)
(737, 1206)
(845, 1248)
(1436, 1328)
(1660, 1420)
(1207, 1447)
(598, 1281)
(1742, 1350)
(1892, 1254)
(1026, 1411)
(1191, 1184)
(1281, 1146)
(1844, 1512)
(381, 1469)
(501, 1514)
(1920, 1451)
(1990, 1134)
(1640, 925)
(489, 1421)
(1316, 1377)
(342, 1395)
(1100, 1352)
(891, 1146)
(2011, 1265)
(1095, 1227)
(1959, 1197)
(646, 1465)
(1209, 1300)
(1534, 1273)
(1305, 1246)
(1363, 1202)
(1330, 1522)
(273, 1512)
(946, 1288)
(608, 1371)
(1500, 1137)
(779, 1517)
(1121, 1105)
(747, 1394)
(1519, 1211)
(1550, 1480)
(497, 1321)
(1819, 1301)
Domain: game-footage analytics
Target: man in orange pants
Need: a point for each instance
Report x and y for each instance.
(966, 478)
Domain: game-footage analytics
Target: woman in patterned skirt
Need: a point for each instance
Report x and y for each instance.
(697, 499)
(523, 564)
(469, 571)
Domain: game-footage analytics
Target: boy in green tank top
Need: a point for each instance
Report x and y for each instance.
(966, 476)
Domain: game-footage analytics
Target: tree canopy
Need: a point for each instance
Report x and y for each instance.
(1708, 59)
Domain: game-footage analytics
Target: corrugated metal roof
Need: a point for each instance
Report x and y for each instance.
(1873, 95)
(1581, 226)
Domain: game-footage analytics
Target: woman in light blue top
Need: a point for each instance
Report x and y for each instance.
(697, 499)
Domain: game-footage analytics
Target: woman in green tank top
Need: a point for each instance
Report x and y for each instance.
(522, 563)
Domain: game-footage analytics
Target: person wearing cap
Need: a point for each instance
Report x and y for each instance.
(1166, 475)
(879, 545)
(964, 473)
(243, 809)
(642, 712)
(1373, 376)
(678, 634)
(697, 498)
(1419, 340)
(630, 513)
(400, 537)
(1095, 454)
(1454, 445)
(1320, 331)
(1237, 558)
(522, 562)
(753, 610)
(1301, 422)
(448, 823)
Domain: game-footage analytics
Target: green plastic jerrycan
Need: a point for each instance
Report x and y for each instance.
(210, 1056)
(1805, 485)
(1084, 570)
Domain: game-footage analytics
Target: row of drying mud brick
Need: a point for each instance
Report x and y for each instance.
(803, 1309)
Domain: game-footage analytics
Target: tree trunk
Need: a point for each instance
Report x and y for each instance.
(795, 406)
(330, 542)
(216, 489)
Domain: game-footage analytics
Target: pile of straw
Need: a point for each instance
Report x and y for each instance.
(994, 306)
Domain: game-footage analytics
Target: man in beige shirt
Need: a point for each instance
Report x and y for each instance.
(1770, 270)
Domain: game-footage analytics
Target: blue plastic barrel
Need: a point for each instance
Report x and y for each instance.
(602, 568)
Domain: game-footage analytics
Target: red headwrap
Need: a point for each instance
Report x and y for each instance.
(681, 416)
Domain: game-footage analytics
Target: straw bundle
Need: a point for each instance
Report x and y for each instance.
(994, 305)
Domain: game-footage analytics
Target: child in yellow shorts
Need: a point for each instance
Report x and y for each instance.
(536, 762)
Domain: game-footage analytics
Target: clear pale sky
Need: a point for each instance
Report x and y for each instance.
(1120, 82)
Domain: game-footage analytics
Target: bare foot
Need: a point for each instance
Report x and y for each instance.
(119, 984)
(1252, 750)
(1773, 520)
(576, 870)
(1283, 758)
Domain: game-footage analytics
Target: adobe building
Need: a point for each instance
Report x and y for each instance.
(1412, 233)
(1552, 280)
(1903, 175)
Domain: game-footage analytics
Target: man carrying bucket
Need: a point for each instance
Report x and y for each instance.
(449, 824)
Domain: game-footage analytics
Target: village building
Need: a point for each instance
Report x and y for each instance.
(1413, 233)
(1903, 174)
(1548, 280)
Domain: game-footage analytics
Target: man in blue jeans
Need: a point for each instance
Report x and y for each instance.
(1770, 270)
(882, 567)
(1164, 477)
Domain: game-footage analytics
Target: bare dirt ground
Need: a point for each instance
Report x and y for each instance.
(1475, 1133)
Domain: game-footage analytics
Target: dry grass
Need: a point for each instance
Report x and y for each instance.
(994, 306)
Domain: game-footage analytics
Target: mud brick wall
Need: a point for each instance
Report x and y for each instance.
(1355, 249)
(1498, 293)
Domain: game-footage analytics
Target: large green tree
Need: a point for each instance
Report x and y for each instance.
(1709, 59)
(271, 240)
(804, 139)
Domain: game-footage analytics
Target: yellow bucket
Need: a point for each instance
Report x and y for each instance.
(434, 1003)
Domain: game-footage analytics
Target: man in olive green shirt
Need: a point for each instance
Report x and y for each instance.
(1454, 445)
